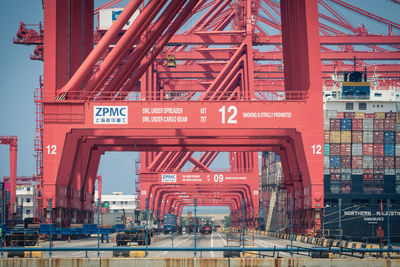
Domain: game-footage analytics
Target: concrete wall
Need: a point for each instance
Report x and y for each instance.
(178, 262)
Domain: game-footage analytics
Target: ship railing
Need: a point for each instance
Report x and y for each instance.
(356, 97)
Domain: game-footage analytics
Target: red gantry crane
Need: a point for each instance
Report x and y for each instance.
(192, 76)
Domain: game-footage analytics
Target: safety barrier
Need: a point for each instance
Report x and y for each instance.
(352, 247)
(195, 262)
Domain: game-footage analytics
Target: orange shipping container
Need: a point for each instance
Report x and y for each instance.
(380, 115)
(359, 115)
(334, 137)
(345, 137)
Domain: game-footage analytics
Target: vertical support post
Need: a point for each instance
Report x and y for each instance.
(13, 176)
(147, 226)
(388, 226)
(1, 232)
(291, 227)
(172, 236)
(340, 227)
(98, 227)
(50, 224)
(195, 224)
(323, 222)
(243, 225)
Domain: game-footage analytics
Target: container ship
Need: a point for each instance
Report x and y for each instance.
(361, 163)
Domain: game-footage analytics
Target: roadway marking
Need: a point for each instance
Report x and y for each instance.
(212, 244)
(222, 238)
(272, 244)
(175, 245)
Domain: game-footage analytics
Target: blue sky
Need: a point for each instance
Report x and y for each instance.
(19, 77)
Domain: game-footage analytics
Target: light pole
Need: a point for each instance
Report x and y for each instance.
(195, 224)
(291, 227)
(340, 227)
(98, 227)
(243, 224)
(147, 221)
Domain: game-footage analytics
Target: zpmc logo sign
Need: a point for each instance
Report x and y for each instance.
(110, 115)
(168, 178)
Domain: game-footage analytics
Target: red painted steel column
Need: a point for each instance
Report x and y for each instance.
(130, 37)
(13, 176)
(88, 26)
(87, 66)
(56, 46)
(75, 52)
(302, 69)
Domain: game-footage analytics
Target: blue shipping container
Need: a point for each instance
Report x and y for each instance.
(389, 138)
(345, 124)
(389, 149)
(335, 162)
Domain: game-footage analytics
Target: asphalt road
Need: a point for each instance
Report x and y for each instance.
(215, 239)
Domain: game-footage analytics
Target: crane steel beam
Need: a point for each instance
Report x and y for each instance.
(278, 56)
(260, 40)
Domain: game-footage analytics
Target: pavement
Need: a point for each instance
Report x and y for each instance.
(215, 239)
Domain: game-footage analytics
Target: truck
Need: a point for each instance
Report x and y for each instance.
(192, 225)
(170, 223)
(136, 231)
(206, 225)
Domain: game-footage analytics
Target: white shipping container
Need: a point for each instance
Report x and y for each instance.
(356, 150)
(368, 137)
(390, 172)
(368, 124)
(357, 171)
(368, 162)
(331, 114)
(345, 171)
(326, 125)
(326, 162)
(397, 150)
(109, 15)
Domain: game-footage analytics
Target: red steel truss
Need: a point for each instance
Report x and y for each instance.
(168, 87)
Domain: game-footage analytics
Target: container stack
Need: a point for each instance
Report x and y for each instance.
(365, 145)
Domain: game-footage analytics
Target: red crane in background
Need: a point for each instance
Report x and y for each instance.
(224, 63)
(12, 141)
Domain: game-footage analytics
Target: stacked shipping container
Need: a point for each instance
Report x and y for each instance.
(365, 144)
